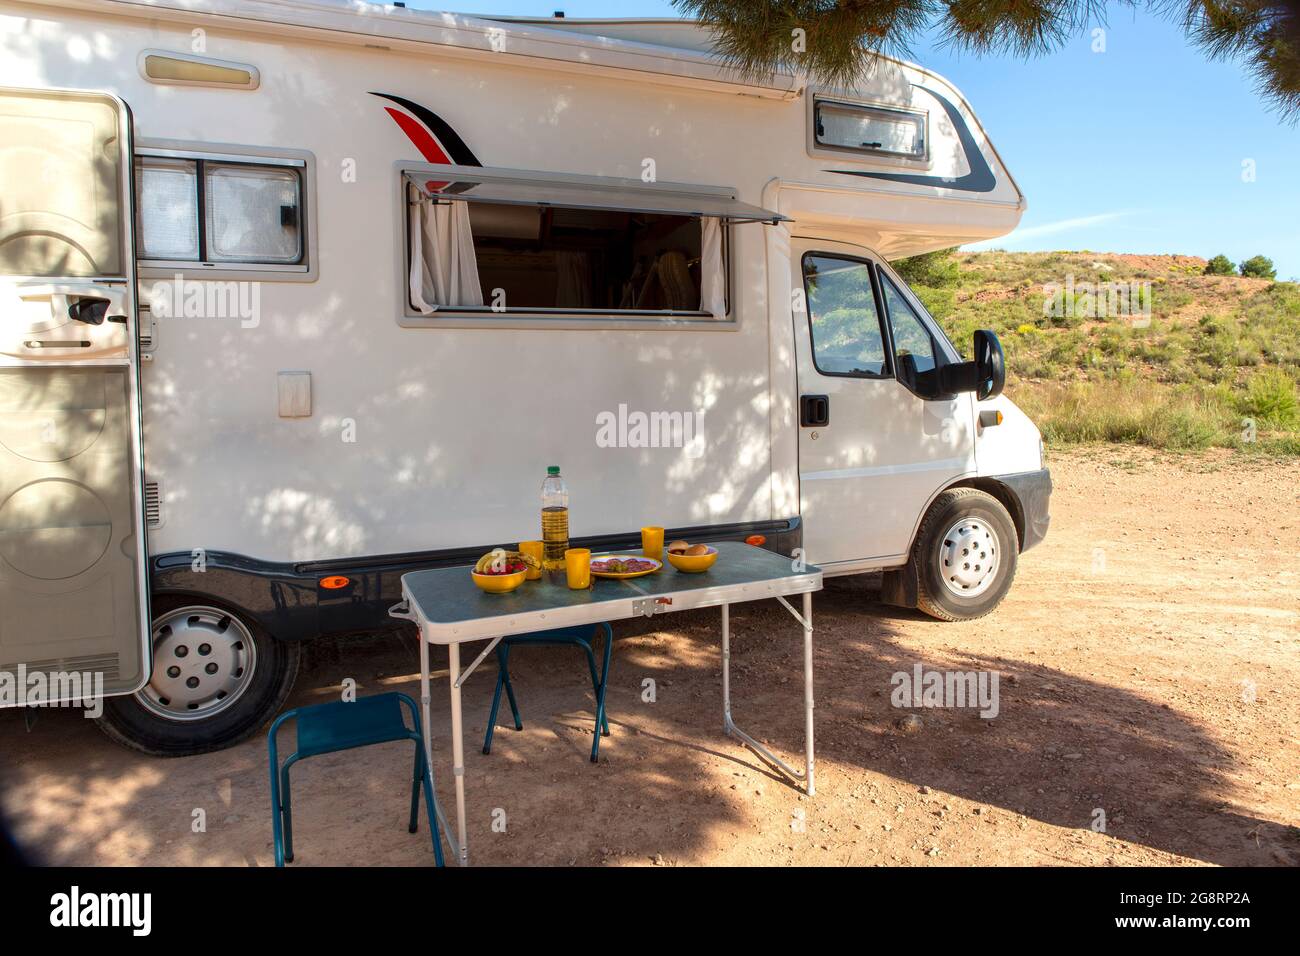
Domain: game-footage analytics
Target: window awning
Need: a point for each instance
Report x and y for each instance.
(466, 184)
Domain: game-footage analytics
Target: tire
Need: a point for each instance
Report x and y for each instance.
(249, 676)
(965, 555)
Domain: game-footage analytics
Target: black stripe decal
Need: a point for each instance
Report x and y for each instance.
(980, 179)
(460, 153)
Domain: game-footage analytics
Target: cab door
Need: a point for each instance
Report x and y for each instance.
(73, 591)
(872, 453)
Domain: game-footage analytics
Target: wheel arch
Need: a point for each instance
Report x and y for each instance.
(1005, 495)
(899, 586)
(167, 598)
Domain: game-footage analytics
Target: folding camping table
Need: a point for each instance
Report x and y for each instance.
(449, 609)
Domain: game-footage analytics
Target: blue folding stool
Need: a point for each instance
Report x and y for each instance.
(329, 728)
(581, 636)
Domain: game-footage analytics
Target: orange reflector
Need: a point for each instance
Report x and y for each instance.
(999, 418)
(757, 540)
(335, 582)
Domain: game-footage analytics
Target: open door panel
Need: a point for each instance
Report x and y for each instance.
(73, 581)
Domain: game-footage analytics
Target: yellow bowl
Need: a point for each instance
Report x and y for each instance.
(692, 563)
(499, 583)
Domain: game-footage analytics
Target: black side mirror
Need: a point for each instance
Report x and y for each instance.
(991, 364)
(984, 376)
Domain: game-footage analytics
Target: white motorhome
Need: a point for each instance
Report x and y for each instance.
(298, 296)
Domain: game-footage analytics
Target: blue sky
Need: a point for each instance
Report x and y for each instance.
(1139, 148)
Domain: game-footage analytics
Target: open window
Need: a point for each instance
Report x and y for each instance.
(919, 345)
(495, 244)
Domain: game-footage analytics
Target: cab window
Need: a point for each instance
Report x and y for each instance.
(911, 337)
(843, 320)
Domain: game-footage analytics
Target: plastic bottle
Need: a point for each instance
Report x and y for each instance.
(555, 519)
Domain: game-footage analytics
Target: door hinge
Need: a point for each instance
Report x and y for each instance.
(650, 606)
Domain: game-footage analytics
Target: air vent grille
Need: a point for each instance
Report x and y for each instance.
(107, 664)
(147, 330)
(153, 501)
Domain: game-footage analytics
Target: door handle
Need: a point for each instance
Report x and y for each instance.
(88, 309)
(814, 411)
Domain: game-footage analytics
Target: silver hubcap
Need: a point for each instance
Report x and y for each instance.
(968, 557)
(203, 660)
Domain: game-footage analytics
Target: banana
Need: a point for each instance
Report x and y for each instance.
(498, 558)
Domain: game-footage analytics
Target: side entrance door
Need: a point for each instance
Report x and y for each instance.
(872, 453)
(73, 583)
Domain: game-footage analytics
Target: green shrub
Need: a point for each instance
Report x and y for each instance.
(1220, 265)
(1258, 267)
(938, 269)
(1270, 399)
(940, 303)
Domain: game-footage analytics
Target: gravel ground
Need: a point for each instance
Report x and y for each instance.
(1146, 661)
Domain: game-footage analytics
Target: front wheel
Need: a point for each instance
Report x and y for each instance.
(217, 677)
(965, 555)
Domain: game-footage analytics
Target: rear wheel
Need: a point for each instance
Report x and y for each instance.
(965, 555)
(217, 678)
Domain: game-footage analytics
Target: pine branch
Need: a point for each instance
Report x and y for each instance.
(1263, 34)
(839, 41)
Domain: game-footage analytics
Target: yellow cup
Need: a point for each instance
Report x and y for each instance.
(652, 543)
(536, 550)
(577, 568)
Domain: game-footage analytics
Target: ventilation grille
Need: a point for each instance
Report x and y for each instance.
(107, 664)
(146, 330)
(153, 499)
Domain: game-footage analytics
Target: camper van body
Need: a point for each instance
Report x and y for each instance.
(308, 435)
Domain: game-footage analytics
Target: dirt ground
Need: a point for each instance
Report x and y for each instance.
(1148, 672)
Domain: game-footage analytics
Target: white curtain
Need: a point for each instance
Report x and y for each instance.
(713, 276)
(444, 271)
(573, 280)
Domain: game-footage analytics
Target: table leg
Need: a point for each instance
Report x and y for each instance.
(729, 725)
(726, 669)
(808, 688)
(426, 725)
(426, 731)
(458, 751)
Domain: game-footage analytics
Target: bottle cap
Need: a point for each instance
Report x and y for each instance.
(552, 469)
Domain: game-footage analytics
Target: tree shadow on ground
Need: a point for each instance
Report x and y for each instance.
(670, 785)
(1062, 748)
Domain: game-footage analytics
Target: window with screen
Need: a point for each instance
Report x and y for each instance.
(870, 129)
(219, 212)
(842, 317)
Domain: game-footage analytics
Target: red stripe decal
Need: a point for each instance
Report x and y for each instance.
(417, 134)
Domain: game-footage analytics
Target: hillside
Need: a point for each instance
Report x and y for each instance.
(1190, 361)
